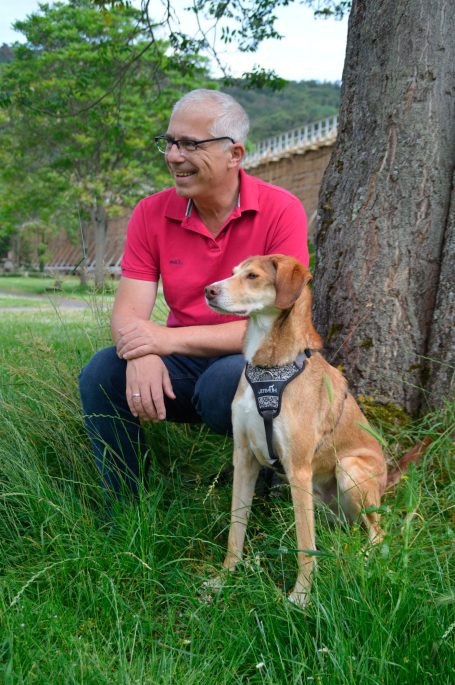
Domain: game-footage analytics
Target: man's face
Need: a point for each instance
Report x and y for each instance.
(199, 173)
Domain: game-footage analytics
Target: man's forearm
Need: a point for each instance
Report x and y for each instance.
(117, 323)
(209, 341)
(135, 337)
(134, 301)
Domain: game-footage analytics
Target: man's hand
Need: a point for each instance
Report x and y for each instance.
(140, 338)
(147, 381)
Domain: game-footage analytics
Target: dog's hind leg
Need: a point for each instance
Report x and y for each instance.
(246, 470)
(302, 497)
(361, 481)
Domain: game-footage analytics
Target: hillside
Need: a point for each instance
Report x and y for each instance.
(6, 53)
(298, 103)
(272, 112)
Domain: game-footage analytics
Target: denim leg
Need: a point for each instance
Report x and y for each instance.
(117, 438)
(116, 435)
(215, 390)
(184, 372)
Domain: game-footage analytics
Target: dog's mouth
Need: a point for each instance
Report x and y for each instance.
(221, 310)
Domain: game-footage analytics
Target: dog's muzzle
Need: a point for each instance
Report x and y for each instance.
(212, 292)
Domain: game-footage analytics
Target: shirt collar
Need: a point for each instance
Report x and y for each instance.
(248, 196)
(190, 205)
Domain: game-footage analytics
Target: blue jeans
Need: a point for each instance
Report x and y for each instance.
(204, 389)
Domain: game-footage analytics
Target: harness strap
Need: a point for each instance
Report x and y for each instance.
(268, 384)
(268, 426)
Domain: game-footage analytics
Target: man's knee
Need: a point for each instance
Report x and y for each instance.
(215, 391)
(104, 375)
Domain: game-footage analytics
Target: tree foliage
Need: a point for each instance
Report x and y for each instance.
(243, 23)
(247, 23)
(81, 101)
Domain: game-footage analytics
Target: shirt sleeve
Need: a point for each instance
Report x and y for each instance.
(140, 256)
(290, 236)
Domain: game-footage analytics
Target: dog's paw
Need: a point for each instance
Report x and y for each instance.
(213, 584)
(209, 588)
(300, 599)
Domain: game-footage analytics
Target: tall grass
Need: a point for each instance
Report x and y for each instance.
(83, 601)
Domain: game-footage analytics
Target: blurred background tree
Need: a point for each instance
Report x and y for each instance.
(81, 101)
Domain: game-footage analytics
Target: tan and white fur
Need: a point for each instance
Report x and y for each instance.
(320, 436)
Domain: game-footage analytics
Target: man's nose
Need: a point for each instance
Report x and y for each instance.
(174, 153)
(212, 291)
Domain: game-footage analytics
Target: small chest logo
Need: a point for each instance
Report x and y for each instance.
(177, 262)
(271, 390)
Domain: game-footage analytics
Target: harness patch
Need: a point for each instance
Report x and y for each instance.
(268, 384)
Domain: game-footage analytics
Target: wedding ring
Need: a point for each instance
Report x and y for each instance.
(136, 394)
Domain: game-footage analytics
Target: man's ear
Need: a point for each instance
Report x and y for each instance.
(237, 152)
(290, 279)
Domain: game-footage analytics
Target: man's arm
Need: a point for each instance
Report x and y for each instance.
(147, 379)
(142, 342)
(135, 335)
(134, 301)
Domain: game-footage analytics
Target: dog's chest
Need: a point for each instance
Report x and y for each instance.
(249, 426)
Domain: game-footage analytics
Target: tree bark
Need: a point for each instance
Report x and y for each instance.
(83, 271)
(383, 237)
(83, 274)
(441, 352)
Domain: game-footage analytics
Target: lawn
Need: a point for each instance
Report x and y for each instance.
(45, 284)
(87, 602)
(39, 291)
(9, 300)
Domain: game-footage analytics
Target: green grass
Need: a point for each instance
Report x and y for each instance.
(84, 603)
(69, 286)
(12, 300)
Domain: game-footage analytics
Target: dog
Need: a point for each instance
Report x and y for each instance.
(320, 435)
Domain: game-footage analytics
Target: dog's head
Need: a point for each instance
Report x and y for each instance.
(259, 284)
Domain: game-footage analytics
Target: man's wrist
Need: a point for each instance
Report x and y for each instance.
(178, 339)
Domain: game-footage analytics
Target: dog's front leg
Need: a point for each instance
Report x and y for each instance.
(302, 497)
(246, 470)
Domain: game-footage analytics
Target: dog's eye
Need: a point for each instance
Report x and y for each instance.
(251, 275)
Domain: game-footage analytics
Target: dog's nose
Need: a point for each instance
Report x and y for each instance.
(211, 291)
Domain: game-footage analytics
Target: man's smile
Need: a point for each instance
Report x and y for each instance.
(183, 174)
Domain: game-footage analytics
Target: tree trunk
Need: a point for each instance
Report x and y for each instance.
(100, 225)
(383, 236)
(441, 352)
(83, 273)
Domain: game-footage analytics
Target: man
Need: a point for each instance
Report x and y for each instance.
(190, 235)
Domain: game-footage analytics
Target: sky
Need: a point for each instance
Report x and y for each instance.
(310, 49)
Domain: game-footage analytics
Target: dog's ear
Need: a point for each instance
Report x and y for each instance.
(290, 279)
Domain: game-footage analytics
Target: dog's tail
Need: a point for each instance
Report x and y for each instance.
(414, 454)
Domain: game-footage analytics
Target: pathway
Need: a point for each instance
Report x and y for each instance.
(48, 301)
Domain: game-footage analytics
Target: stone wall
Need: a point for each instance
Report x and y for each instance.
(301, 174)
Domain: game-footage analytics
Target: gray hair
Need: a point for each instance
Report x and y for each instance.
(229, 117)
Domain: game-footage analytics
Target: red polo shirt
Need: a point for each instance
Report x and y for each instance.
(167, 238)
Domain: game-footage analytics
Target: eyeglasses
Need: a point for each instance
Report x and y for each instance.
(165, 143)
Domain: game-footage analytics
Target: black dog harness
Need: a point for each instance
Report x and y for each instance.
(268, 384)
